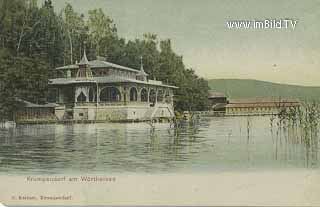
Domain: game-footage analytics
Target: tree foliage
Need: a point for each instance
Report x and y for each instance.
(34, 40)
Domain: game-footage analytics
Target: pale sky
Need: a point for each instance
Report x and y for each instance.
(198, 30)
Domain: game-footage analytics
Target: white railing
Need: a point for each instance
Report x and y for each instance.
(116, 103)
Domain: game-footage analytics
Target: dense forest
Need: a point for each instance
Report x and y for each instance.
(34, 39)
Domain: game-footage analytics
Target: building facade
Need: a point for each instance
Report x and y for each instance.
(35, 113)
(218, 102)
(98, 90)
(260, 106)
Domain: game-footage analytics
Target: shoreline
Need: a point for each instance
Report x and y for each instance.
(158, 120)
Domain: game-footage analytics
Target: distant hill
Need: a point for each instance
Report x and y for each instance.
(245, 88)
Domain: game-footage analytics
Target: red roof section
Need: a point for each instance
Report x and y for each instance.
(263, 102)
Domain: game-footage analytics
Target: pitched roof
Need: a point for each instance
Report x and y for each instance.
(84, 60)
(270, 104)
(105, 79)
(99, 64)
(214, 94)
(28, 104)
(219, 106)
(141, 72)
(263, 102)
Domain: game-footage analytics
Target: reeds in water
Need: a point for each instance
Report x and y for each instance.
(300, 126)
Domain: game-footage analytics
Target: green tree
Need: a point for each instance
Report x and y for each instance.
(29, 49)
(20, 78)
(102, 32)
(75, 34)
(33, 41)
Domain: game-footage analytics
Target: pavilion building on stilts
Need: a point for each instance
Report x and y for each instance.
(98, 90)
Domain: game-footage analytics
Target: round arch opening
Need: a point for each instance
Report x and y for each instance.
(110, 94)
(144, 95)
(152, 96)
(133, 94)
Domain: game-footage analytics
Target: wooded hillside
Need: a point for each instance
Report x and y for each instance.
(34, 40)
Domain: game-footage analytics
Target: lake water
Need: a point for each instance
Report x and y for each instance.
(212, 144)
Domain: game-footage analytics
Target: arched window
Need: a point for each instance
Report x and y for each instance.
(81, 97)
(110, 94)
(160, 95)
(144, 95)
(133, 94)
(152, 96)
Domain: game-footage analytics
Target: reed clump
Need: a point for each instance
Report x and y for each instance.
(300, 126)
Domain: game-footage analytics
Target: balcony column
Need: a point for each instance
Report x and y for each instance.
(171, 96)
(75, 94)
(122, 91)
(139, 93)
(86, 90)
(156, 100)
(98, 94)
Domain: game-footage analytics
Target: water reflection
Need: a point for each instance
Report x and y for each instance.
(221, 143)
